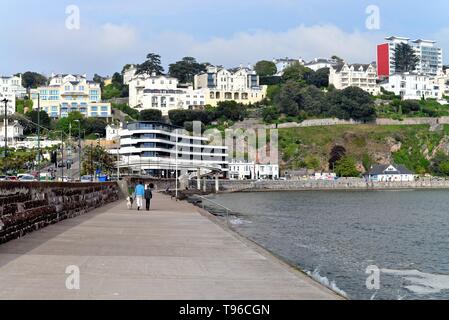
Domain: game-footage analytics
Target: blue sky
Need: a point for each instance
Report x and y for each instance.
(115, 32)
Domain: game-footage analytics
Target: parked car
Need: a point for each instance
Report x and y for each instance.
(11, 178)
(27, 178)
(86, 179)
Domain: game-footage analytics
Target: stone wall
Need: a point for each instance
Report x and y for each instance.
(26, 207)
(341, 184)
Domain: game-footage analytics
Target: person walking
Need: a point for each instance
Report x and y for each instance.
(140, 193)
(148, 196)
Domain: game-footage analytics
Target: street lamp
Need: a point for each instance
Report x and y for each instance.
(5, 101)
(79, 147)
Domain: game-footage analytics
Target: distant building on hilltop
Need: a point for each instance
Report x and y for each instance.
(320, 63)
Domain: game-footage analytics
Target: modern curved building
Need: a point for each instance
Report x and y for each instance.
(150, 147)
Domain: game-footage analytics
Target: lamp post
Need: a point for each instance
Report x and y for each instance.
(176, 165)
(39, 136)
(118, 158)
(5, 101)
(79, 147)
(91, 156)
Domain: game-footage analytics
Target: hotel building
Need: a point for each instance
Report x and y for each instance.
(150, 147)
(430, 57)
(411, 86)
(68, 93)
(362, 76)
(220, 84)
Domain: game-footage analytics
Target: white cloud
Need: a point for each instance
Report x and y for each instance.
(107, 48)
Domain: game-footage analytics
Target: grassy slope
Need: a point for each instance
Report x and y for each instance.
(366, 143)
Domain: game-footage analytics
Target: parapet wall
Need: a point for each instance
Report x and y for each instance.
(340, 184)
(26, 207)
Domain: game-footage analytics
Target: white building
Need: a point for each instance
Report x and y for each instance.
(13, 85)
(430, 57)
(411, 86)
(363, 76)
(68, 93)
(320, 63)
(388, 173)
(112, 132)
(244, 170)
(14, 132)
(129, 73)
(161, 92)
(148, 146)
(31, 142)
(238, 84)
(282, 64)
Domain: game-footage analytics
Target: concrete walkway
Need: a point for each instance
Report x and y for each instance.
(172, 252)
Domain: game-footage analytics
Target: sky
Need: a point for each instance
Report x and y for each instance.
(45, 36)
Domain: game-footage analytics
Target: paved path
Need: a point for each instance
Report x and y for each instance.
(172, 252)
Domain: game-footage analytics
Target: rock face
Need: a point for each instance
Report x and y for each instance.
(26, 207)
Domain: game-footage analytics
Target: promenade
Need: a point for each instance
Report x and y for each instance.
(171, 252)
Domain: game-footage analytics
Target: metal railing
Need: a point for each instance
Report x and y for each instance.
(219, 205)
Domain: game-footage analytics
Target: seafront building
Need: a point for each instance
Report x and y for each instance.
(161, 92)
(150, 147)
(67, 93)
(430, 56)
(245, 170)
(389, 173)
(238, 84)
(362, 76)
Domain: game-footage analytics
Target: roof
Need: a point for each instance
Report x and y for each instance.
(356, 66)
(381, 169)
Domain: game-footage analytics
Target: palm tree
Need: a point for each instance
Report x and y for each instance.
(405, 59)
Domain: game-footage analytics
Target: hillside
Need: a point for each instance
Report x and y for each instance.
(414, 146)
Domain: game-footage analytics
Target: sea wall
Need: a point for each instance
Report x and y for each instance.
(26, 207)
(340, 184)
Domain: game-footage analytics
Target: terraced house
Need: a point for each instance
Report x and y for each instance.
(68, 93)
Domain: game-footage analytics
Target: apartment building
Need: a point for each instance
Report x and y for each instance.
(362, 76)
(162, 92)
(148, 146)
(411, 86)
(239, 84)
(14, 132)
(430, 57)
(67, 93)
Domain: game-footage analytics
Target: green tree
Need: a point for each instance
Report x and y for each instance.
(319, 78)
(408, 106)
(289, 98)
(33, 80)
(352, 103)
(151, 65)
(92, 126)
(231, 110)
(296, 72)
(265, 68)
(271, 113)
(69, 124)
(313, 101)
(31, 127)
(125, 108)
(336, 154)
(346, 167)
(111, 91)
(186, 69)
(405, 59)
(96, 157)
(150, 115)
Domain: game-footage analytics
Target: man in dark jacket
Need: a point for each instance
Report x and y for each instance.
(148, 196)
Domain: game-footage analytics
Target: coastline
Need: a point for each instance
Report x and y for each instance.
(272, 256)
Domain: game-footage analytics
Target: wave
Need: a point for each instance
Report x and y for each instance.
(421, 283)
(326, 282)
